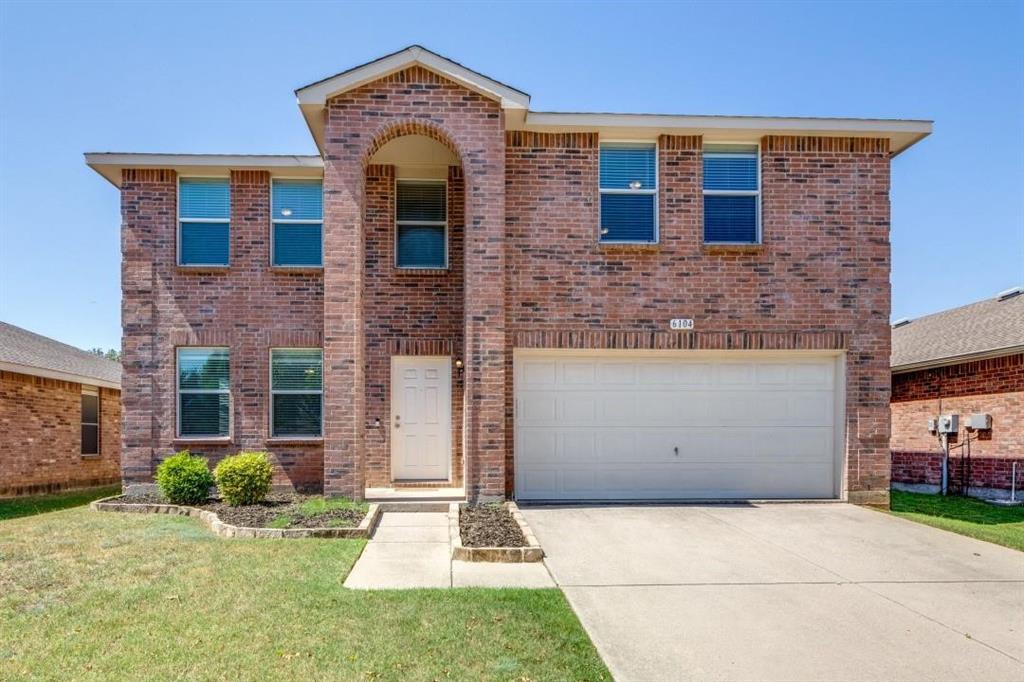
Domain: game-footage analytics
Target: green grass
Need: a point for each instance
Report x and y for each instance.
(97, 596)
(30, 506)
(321, 505)
(964, 515)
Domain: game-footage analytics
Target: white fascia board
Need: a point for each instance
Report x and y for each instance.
(902, 133)
(110, 164)
(957, 359)
(55, 374)
(319, 93)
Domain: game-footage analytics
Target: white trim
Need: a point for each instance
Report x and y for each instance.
(58, 375)
(656, 193)
(180, 220)
(433, 223)
(956, 359)
(757, 124)
(318, 93)
(110, 164)
(270, 379)
(294, 221)
(758, 228)
(209, 391)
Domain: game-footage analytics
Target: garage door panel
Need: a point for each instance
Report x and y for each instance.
(674, 427)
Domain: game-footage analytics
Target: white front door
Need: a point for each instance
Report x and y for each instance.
(421, 417)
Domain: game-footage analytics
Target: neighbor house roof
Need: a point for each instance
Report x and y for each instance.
(25, 352)
(988, 328)
(312, 101)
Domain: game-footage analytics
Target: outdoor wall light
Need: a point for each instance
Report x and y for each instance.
(459, 366)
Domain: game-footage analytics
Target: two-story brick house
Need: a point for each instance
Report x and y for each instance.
(459, 292)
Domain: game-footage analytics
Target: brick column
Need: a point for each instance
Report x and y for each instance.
(148, 210)
(484, 165)
(344, 384)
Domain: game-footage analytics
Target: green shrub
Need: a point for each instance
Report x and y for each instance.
(184, 479)
(244, 478)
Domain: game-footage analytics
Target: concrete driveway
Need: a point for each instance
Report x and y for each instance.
(785, 592)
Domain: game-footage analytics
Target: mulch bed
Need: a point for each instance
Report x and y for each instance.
(264, 514)
(489, 525)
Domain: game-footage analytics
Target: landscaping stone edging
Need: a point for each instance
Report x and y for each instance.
(507, 555)
(226, 530)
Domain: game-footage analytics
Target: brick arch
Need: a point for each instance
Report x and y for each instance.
(395, 129)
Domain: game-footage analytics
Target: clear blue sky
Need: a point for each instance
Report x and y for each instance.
(211, 77)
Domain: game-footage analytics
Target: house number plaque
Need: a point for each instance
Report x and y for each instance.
(681, 324)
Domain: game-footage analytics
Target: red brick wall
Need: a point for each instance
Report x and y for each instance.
(995, 386)
(408, 312)
(41, 436)
(413, 101)
(535, 272)
(249, 307)
(980, 470)
(820, 280)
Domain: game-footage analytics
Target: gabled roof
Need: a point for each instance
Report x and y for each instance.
(988, 328)
(26, 352)
(314, 96)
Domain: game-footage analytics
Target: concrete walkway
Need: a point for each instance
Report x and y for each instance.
(412, 549)
(785, 592)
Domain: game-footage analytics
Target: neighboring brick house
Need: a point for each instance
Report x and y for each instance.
(962, 361)
(463, 296)
(60, 415)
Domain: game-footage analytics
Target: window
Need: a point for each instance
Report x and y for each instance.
(204, 394)
(204, 216)
(90, 421)
(421, 224)
(297, 391)
(731, 194)
(629, 192)
(297, 207)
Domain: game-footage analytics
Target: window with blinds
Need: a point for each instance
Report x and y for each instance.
(297, 210)
(296, 387)
(204, 393)
(204, 216)
(629, 192)
(732, 194)
(421, 224)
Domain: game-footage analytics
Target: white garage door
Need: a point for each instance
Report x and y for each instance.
(678, 425)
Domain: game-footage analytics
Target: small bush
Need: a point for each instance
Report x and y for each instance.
(184, 479)
(244, 478)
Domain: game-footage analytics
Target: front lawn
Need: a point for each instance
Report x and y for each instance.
(88, 595)
(964, 515)
(28, 506)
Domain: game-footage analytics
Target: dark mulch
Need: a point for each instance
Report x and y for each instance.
(489, 525)
(276, 511)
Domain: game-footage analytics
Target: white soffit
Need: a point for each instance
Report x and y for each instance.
(313, 97)
(110, 164)
(901, 133)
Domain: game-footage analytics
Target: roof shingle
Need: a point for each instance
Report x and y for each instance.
(32, 351)
(978, 328)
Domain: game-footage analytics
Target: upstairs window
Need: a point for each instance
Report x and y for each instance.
(297, 392)
(629, 192)
(204, 393)
(421, 224)
(90, 421)
(732, 194)
(297, 207)
(204, 215)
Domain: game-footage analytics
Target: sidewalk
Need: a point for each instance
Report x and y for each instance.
(411, 549)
